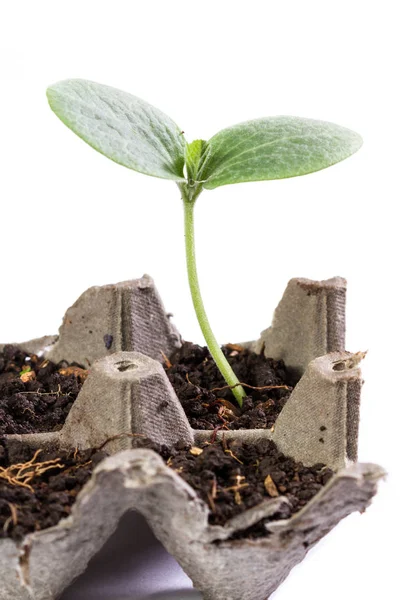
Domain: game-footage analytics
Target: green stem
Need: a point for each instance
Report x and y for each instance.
(213, 346)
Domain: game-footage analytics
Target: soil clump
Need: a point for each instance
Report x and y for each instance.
(207, 400)
(233, 476)
(39, 488)
(36, 395)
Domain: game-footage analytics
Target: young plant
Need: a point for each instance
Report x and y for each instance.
(137, 135)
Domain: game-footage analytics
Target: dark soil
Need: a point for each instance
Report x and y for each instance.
(232, 476)
(46, 499)
(36, 395)
(195, 377)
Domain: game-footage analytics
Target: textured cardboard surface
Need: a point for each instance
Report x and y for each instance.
(132, 565)
(125, 393)
(128, 392)
(37, 346)
(113, 400)
(127, 316)
(308, 322)
(139, 479)
(319, 423)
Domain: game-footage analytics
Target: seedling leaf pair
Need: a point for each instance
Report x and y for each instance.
(135, 134)
(139, 136)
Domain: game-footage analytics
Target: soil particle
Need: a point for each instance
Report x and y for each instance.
(195, 377)
(38, 495)
(36, 395)
(233, 476)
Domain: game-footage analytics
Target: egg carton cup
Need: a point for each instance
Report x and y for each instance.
(128, 392)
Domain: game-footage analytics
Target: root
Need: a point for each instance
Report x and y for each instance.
(119, 436)
(245, 385)
(168, 363)
(21, 474)
(237, 487)
(13, 518)
(56, 393)
(233, 456)
(252, 387)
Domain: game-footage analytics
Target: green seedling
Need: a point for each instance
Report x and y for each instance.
(137, 135)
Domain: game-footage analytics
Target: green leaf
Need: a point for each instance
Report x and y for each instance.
(193, 157)
(124, 128)
(274, 148)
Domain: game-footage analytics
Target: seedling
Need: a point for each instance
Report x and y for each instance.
(137, 135)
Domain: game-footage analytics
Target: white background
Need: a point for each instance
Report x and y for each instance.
(71, 219)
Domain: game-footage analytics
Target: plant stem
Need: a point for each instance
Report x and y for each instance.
(213, 346)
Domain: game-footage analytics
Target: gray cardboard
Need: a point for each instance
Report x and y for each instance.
(125, 393)
(38, 346)
(127, 316)
(128, 392)
(47, 561)
(308, 322)
(319, 423)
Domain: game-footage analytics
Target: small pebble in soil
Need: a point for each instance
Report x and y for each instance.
(32, 504)
(209, 403)
(36, 395)
(233, 476)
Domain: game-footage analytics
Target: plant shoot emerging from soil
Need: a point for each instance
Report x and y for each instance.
(137, 135)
